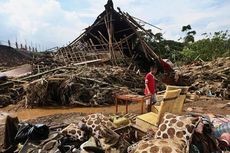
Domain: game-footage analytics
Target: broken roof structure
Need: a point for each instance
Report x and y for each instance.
(115, 36)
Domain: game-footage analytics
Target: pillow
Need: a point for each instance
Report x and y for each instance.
(97, 119)
(97, 122)
(160, 146)
(177, 127)
(74, 132)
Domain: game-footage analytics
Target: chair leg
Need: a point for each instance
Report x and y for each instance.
(116, 105)
(149, 109)
(126, 103)
(142, 106)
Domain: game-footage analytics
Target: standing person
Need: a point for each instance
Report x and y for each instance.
(150, 87)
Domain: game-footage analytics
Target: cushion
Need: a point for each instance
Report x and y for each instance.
(74, 132)
(97, 123)
(177, 127)
(98, 119)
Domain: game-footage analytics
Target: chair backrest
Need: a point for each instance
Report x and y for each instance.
(184, 89)
(168, 103)
(178, 105)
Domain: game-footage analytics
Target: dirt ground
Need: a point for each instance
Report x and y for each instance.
(206, 105)
(72, 115)
(16, 57)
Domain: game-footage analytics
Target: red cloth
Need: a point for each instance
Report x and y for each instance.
(150, 81)
(165, 65)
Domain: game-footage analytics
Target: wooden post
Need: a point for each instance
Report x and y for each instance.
(109, 28)
(75, 56)
(128, 45)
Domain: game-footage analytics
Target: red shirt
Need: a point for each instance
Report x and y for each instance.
(150, 81)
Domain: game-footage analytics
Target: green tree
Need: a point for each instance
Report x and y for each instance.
(169, 49)
(212, 46)
(189, 38)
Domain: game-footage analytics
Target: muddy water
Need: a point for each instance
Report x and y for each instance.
(25, 114)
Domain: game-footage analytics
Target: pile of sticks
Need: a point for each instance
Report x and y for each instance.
(210, 78)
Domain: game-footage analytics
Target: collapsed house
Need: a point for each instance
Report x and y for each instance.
(115, 37)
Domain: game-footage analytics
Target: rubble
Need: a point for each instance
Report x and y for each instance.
(209, 78)
(97, 132)
(87, 86)
(44, 61)
(116, 39)
(11, 94)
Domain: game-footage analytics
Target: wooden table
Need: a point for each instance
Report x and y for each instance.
(132, 98)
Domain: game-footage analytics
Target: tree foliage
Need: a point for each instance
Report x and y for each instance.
(169, 49)
(211, 46)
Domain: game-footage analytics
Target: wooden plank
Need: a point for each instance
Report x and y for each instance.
(59, 68)
(88, 62)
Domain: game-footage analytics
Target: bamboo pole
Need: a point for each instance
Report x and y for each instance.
(99, 40)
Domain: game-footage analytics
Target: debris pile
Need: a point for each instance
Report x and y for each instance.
(88, 86)
(44, 61)
(11, 93)
(209, 78)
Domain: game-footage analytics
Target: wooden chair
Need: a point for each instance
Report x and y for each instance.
(179, 102)
(153, 118)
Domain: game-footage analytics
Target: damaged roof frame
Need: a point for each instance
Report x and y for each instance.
(115, 34)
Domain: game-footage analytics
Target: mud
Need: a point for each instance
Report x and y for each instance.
(25, 114)
(203, 105)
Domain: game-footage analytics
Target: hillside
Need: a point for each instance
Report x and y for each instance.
(10, 57)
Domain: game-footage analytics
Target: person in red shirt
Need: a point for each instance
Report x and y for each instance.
(150, 88)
